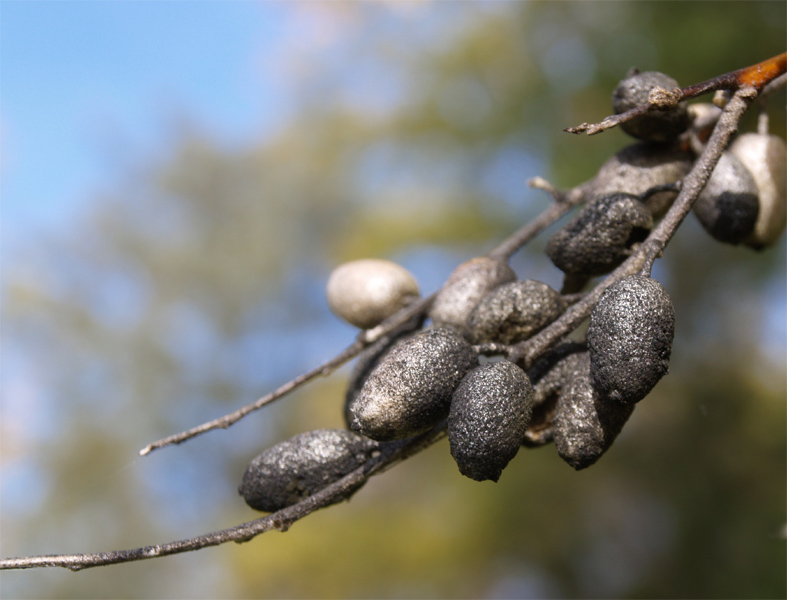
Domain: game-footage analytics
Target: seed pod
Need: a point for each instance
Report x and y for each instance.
(366, 292)
(301, 466)
(727, 207)
(656, 125)
(489, 414)
(514, 312)
(600, 237)
(630, 338)
(765, 157)
(469, 282)
(410, 389)
(585, 423)
(640, 167)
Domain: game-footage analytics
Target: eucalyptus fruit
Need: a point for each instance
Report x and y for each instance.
(490, 412)
(656, 125)
(410, 389)
(301, 466)
(630, 338)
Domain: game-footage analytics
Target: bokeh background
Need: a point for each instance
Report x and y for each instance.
(178, 180)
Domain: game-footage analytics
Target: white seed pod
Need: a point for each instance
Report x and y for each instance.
(301, 466)
(630, 338)
(765, 157)
(728, 206)
(656, 125)
(514, 312)
(366, 292)
(600, 237)
(585, 424)
(463, 290)
(410, 389)
(490, 412)
(640, 167)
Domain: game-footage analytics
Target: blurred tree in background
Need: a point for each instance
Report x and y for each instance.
(195, 285)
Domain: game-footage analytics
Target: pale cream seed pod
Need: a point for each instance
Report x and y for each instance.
(366, 292)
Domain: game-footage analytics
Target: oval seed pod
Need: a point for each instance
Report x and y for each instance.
(585, 424)
(410, 389)
(656, 125)
(728, 205)
(600, 237)
(490, 411)
(469, 282)
(366, 292)
(514, 312)
(301, 466)
(630, 338)
(765, 157)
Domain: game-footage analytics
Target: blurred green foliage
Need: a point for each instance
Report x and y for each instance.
(198, 288)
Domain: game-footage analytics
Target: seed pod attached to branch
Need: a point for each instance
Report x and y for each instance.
(656, 125)
(301, 466)
(410, 389)
(490, 412)
(630, 338)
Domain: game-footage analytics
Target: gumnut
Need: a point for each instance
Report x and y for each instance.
(656, 125)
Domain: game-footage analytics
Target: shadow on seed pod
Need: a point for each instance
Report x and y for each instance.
(465, 288)
(601, 235)
(366, 292)
(656, 125)
(410, 389)
(514, 312)
(727, 207)
(585, 423)
(765, 157)
(630, 338)
(303, 465)
(490, 412)
(548, 375)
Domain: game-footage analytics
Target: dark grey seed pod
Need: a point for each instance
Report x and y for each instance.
(585, 423)
(728, 205)
(366, 292)
(654, 126)
(630, 338)
(765, 157)
(490, 412)
(469, 282)
(513, 312)
(301, 466)
(640, 167)
(410, 389)
(600, 237)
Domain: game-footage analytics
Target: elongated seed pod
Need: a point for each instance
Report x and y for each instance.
(366, 292)
(301, 466)
(465, 288)
(630, 338)
(585, 424)
(600, 237)
(765, 157)
(514, 312)
(656, 125)
(490, 412)
(410, 389)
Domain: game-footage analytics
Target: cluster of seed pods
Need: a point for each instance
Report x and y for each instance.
(438, 371)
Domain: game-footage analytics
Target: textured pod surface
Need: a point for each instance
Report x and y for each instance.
(654, 126)
(600, 237)
(301, 466)
(640, 167)
(465, 288)
(513, 312)
(585, 424)
(630, 338)
(366, 292)
(410, 389)
(728, 205)
(490, 412)
(765, 157)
